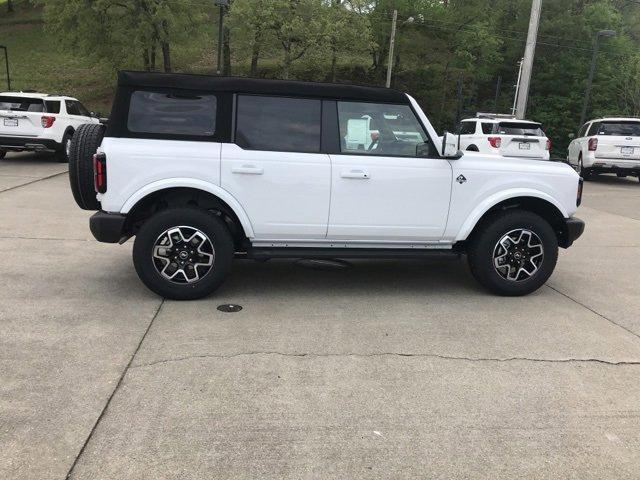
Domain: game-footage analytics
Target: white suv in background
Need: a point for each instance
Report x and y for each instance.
(504, 135)
(39, 122)
(607, 145)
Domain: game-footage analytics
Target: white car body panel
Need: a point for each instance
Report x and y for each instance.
(286, 194)
(302, 199)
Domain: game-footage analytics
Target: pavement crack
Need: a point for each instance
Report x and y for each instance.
(117, 387)
(59, 239)
(613, 322)
(391, 354)
(34, 181)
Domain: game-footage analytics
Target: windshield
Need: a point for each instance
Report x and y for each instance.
(519, 128)
(21, 104)
(621, 129)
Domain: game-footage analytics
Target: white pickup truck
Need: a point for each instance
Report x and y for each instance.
(203, 169)
(38, 122)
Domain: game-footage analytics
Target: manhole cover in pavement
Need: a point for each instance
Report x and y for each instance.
(230, 308)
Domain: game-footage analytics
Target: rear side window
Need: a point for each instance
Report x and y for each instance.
(517, 128)
(593, 130)
(72, 107)
(583, 131)
(53, 106)
(467, 128)
(620, 129)
(172, 113)
(487, 128)
(278, 124)
(21, 104)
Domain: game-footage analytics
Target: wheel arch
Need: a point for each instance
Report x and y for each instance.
(535, 202)
(162, 195)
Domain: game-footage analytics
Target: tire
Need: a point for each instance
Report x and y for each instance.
(149, 263)
(585, 173)
(62, 155)
(472, 148)
(84, 144)
(486, 248)
(3, 153)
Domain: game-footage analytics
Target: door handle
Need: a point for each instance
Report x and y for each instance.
(356, 174)
(248, 170)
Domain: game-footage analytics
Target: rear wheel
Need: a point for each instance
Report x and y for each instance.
(513, 253)
(62, 155)
(585, 173)
(83, 145)
(183, 253)
(472, 148)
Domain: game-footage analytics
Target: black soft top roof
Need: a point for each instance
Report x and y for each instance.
(259, 86)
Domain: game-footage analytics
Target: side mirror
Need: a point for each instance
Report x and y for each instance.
(423, 150)
(572, 136)
(450, 145)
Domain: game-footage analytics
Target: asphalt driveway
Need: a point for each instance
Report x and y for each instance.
(390, 369)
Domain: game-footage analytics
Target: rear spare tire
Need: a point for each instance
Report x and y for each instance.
(84, 144)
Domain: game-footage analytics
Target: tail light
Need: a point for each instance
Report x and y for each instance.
(100, 172)
(495, 142)
(548, 144)
(47, 121)
(593, 144)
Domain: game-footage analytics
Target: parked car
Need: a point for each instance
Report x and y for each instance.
(201, 169)
(607, 145)
(39, 122)
(504, 135)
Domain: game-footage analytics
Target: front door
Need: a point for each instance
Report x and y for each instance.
(388, 183)
(275, 168)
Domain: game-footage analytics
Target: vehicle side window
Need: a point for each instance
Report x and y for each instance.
(487, 128)
(467, 128)
(72, 108)
(172, 113)
(53, 106)
(381, 129)
(583, 131)
(278, 124)
(595, 126)
(83, 110)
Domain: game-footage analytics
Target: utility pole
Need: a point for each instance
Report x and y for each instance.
(529, 53)
(221, 4)
(392, 43)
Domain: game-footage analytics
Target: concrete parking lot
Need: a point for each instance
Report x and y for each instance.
(390, 369)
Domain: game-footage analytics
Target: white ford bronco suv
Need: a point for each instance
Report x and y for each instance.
(202, 169)
(39, 122)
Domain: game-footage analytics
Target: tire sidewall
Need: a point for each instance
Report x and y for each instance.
(481, 253)
(204, 221)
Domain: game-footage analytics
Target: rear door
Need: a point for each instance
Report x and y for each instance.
(619, 140)
(398, 190)
(20, 116)
(522, 139)
(275, 169)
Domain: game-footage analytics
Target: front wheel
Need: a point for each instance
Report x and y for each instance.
(513, 253)
(183, 253)
(3, 153)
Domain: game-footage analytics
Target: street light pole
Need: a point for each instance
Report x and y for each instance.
(392, 43)
(592, 71)
(221, 4)
(6, 61)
